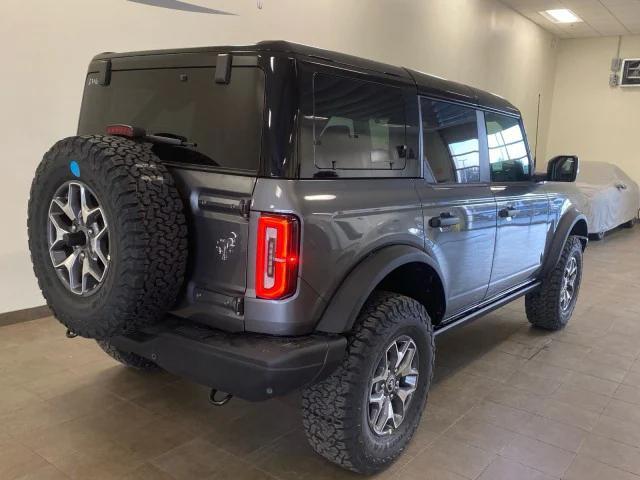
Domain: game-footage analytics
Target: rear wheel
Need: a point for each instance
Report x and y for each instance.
(551, 306)
(363, 416)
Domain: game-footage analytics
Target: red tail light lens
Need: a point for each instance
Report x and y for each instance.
(277, 256)
(125, 131)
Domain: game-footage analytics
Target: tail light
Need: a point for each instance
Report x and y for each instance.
(277, 256)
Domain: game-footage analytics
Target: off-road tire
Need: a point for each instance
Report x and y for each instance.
(543, 305)
(128, 359)
(147, 234)
(335, 410)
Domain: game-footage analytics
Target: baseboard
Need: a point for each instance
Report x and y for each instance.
(25, 315)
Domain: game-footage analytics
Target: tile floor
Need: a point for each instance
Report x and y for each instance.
(508, 402)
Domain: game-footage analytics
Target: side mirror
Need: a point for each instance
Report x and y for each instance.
(563, 168)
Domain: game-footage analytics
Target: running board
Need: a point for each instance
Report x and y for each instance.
(483, 309)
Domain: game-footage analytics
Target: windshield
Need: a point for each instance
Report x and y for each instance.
(221, 122)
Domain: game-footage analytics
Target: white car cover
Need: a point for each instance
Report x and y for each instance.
(613, 198)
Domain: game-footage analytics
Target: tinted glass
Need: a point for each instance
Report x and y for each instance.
(358, 125)
(224, 121)
(450, 139)
(508, 155)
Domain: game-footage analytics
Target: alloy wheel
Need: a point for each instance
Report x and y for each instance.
(78, 237)
(394, 382)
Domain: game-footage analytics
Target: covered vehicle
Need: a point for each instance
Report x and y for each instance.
(613, 198)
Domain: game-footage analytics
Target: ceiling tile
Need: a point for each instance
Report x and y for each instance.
(600, 17)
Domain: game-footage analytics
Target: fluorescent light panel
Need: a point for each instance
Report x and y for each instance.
(561, 15)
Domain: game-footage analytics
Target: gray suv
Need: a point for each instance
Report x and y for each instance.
(271, 217)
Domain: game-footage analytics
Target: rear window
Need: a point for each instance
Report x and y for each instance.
(224, 121)
(358, 125)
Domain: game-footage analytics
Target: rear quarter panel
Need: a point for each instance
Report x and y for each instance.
(343, 221)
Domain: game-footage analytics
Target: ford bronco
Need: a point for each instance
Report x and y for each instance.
(265, 218)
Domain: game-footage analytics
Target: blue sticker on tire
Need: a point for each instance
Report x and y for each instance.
(75, 168)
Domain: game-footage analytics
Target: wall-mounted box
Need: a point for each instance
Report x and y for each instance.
(630, 72)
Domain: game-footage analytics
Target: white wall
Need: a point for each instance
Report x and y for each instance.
(47, 46)
(590, 118)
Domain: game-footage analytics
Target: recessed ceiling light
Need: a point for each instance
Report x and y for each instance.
(561, 15)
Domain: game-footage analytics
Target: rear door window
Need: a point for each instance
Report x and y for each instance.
(450, 141)
(358, 125)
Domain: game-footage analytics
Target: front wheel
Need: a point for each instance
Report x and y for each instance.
(363, 416)
(551, 306)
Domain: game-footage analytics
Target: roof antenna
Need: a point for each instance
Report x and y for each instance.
(259, 4)
(535, 151)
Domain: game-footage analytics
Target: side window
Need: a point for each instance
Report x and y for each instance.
(358, 125)
(450, 141)
(508, 157)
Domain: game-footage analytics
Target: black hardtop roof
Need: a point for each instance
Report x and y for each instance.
(426, 84)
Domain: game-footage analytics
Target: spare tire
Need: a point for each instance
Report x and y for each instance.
(107, 234)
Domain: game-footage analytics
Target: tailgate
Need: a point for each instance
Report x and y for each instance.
(218, 214)
(215, 164)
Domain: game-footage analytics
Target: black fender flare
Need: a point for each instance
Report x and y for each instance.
(350, 296)
(568, 220)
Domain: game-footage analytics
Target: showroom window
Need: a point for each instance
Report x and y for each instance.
(508, 156)
(450, 139)
(358, 125)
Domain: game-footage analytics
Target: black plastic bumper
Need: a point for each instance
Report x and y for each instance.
(250, 366)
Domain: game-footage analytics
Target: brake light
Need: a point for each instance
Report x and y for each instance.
(125, 131)
(277, 256)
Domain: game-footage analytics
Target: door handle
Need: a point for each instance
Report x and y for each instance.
(508, 212)
(445, 219)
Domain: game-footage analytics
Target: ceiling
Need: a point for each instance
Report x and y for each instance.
(600, 17)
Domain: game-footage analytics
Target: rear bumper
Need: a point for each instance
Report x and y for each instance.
(250, 366)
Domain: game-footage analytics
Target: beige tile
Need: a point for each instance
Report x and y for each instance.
(17, 461)
(500, 415)
(519, 349)
(533, 383)
(517, 398)
(428, 472)
(245, 435)
(614, 454)
(547, 458)
(568, 414)
(583, 399)
(15, 398)
(196, 459)
(506, 469)
(479, 434)
(555, 433)
(591, 383)
(453, 456)
(46, 472)
(147, 472)
(289, 458)
(628, 393)
(618, 430)
(627, 412)
(34, 417)
(585, 468)
(546, 370)
(632, 378)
